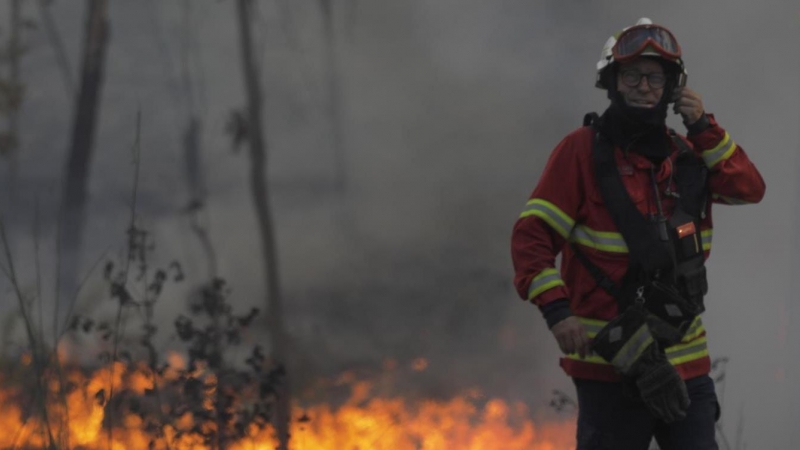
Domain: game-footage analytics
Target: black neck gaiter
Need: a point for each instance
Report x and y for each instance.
(640, 130)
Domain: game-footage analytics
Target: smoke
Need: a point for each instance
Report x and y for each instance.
(450, 111)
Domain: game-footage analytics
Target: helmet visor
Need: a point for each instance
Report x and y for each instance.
(633, 41)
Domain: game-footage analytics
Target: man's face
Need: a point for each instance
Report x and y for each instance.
(644, 95)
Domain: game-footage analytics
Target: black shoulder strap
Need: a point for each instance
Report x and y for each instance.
(691, 178)
(645, 249)
(599, 276)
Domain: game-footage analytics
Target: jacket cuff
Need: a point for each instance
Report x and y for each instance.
(556, 311)
(698, 126)
(708, 137)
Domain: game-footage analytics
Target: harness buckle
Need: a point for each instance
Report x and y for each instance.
(640, 295)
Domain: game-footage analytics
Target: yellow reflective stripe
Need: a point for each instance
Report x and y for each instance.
(706, 236)
(551, 214)
(600, 240)
(547, 279)
(633, 349)
(721, 152)
(681, 353)
(730, 200)
(590, 358)
(678, 354)
(612, 242)
(592, 326)
(695, 329)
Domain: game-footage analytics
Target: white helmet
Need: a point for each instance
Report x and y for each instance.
(642, 39)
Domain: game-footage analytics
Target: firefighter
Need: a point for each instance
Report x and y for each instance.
(627, 203)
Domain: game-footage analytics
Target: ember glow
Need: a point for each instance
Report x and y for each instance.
(365, 421)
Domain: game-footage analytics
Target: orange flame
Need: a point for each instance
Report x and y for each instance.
(364, 422)
(419, 364)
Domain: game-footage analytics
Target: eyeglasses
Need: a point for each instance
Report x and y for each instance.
(633, 41)
(632, 78)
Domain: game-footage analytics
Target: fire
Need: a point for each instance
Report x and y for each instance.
(420, 364)
(365, 421)
(458, 423)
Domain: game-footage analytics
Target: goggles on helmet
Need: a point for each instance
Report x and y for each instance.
(633, 41)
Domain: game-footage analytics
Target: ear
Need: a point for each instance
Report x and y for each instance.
(610, 80)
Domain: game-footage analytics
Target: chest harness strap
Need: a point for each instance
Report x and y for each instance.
(666, 272)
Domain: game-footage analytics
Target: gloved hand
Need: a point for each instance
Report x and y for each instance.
(661, 387)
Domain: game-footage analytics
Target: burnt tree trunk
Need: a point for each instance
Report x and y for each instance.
(76, 176)
(260, 193)
(14, 54)
(54, 38)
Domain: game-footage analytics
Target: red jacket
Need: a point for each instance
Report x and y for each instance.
(566, 206)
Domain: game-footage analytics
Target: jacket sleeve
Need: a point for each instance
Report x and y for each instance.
(544, 225)
(733, 179)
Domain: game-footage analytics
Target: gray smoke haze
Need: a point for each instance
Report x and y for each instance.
(450, 109)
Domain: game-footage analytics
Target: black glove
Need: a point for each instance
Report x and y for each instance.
(626, 343)
(660, 385)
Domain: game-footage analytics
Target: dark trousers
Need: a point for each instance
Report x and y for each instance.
(611, 418)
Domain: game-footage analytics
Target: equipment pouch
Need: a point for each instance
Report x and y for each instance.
(686, 235)
(694, 286)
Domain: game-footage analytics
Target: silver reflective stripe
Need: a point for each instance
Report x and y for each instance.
(632, 349)
(547, 279)
(600, 240)
(551, 214)
(720, 152)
